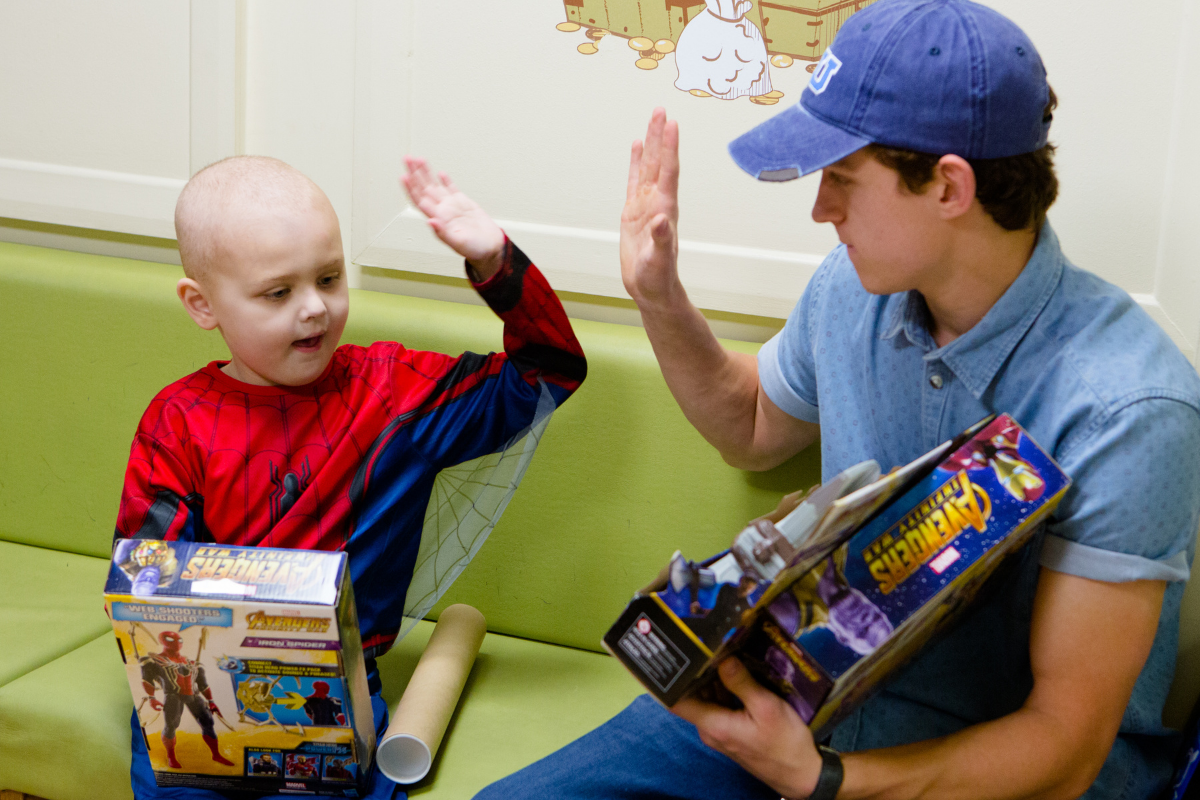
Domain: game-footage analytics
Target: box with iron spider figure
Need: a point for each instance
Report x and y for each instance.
(245, 664)
(839, 586)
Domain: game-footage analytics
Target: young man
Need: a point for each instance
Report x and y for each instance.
(300, 441)
(949, 299)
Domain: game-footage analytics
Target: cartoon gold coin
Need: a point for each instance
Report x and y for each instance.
(782, 61)
(568, 27)
(640, 43)
(699, 93)
(588, 48)
(763, 100)
(664, 46)
(645, 63)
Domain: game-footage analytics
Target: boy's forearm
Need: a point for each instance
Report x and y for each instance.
(538, 337)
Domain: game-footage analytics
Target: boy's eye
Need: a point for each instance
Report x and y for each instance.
(278, 294)
(330, 280)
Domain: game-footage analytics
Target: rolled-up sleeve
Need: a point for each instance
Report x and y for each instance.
(786, 368)
(1133, 510)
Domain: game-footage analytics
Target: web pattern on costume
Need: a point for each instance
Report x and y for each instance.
(465, 505)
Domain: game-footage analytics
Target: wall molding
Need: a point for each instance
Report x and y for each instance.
(89, 198)
(720, 277)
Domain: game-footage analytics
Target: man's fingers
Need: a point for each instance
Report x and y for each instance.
(653, 146)
(635, 166)
(668, 179)
(660, 230)
(738, 680)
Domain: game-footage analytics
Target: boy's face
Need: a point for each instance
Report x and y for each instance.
(895, 239)
(278, 294)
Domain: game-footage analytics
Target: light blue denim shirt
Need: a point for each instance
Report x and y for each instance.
(1099, 386)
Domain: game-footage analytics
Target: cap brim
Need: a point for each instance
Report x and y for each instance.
(792, 144)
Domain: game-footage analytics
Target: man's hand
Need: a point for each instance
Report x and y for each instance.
(649, 242)
(455, 218)
(767, 737)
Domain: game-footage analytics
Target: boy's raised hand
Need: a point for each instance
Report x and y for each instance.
(649, 243)
(455, 218)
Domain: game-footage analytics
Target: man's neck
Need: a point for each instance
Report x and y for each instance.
(979, 268)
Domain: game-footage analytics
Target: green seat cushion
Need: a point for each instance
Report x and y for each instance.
(523, 701)
(50, 603)
(64, 728)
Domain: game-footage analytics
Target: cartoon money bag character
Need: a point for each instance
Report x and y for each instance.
(721, 53)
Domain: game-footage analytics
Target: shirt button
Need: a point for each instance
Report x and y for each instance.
(935, 381)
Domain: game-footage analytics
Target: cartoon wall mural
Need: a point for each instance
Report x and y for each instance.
(722, 48)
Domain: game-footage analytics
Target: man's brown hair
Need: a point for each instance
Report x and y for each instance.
(1016, 191)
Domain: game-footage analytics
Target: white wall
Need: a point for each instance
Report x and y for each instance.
(106, 108)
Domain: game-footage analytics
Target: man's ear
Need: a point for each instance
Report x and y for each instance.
(956, 184)
(191, 294)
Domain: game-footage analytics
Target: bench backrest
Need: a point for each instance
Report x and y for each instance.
(619, 481)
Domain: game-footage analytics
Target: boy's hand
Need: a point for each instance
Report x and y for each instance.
(455, 218)
(649, 243)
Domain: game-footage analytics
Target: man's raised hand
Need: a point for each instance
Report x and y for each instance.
(649, 243)
(455, 218)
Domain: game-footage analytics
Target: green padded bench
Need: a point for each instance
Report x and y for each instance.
(619, 482)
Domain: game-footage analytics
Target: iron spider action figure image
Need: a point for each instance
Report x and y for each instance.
(184, 686)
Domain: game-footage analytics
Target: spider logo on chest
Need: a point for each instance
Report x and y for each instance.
(287, 490)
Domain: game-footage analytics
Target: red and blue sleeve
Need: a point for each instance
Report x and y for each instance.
(481, 402)
(159, 499)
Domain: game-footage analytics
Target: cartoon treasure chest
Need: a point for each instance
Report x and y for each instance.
(803, 29)
(655, 20)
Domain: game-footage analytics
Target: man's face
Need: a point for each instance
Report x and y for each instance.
(279, 294)
(895, 239)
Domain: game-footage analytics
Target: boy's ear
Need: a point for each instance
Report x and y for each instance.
(956, 186)
(191, 294)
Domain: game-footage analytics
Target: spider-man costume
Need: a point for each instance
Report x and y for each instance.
(347, 462)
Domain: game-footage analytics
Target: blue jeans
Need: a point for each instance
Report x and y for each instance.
(643, 753)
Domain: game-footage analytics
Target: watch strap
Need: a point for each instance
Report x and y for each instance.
(832, 773)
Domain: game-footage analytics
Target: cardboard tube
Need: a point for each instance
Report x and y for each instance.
(420, 718)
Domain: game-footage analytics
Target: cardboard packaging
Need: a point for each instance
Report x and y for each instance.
(245, 664)
(825, 597)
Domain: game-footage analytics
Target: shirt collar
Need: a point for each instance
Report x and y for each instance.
(977, 355)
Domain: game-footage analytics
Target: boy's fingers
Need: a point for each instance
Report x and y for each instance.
(449, 184)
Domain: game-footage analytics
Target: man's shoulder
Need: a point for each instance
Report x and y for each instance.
(1112, 346)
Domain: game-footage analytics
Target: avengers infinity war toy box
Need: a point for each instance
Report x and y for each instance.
(245, 664)
(828, 594)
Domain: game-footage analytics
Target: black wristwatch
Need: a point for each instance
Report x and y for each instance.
(830, 779)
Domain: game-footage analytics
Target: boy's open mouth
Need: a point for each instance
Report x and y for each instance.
(310, 344)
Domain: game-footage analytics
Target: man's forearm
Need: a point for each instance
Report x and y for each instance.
(1026, 754)
(715, 388)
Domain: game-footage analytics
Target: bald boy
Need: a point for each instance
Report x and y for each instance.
(298, 441)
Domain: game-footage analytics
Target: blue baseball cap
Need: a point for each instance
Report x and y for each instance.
(935, 76)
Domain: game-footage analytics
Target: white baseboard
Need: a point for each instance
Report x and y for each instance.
(89, 198)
